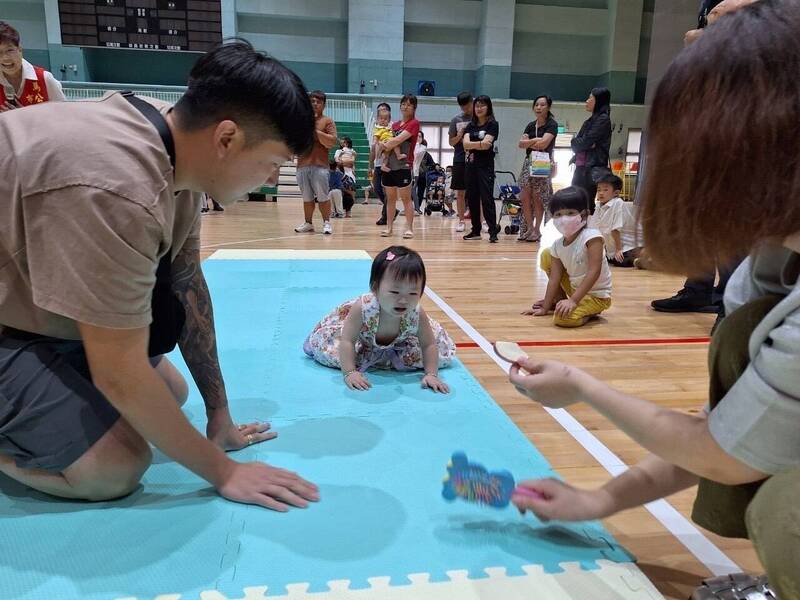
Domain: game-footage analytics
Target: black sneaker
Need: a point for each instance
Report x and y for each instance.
(472, 236)
(685, 301)
(493, 238)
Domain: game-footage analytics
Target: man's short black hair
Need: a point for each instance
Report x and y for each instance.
(267, 100)
(464, 98)
(611, 179)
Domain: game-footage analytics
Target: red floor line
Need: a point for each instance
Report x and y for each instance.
(635, 342)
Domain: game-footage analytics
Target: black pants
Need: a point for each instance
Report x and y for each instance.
(348, 199)
(480, 194)
(377, 185)
(704, 285)
(583, 178)
(421, 185)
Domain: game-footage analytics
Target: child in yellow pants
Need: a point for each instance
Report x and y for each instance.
(579, 285)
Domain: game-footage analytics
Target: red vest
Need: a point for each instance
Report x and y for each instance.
(33, 92)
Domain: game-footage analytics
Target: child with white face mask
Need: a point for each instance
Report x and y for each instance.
(579, 286)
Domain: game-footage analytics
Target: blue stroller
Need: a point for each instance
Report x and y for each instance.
(434, 192)
(510, 204)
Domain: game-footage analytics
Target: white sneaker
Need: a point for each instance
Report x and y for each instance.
(326, 228)
(460, 226)
(304, 228)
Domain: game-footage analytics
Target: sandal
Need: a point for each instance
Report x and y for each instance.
(386, 233)
(408, 234)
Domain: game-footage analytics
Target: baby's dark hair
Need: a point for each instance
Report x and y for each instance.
(403, 263)
(570, 198)
(613, 180)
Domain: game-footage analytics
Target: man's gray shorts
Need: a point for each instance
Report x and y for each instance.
(50, 411)
(313, 182)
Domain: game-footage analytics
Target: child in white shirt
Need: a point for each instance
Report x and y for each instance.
(579, 286)
(616, 220)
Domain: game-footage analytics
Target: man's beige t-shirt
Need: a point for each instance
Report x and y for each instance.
(87, 210)
(318, 156)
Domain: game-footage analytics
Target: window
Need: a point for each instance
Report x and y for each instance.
(438, 140)
(632, 153)
(562, 155)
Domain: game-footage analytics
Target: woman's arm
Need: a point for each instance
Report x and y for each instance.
(468, 143)
(396, 141)
(597, 132)
(681, 439)
(543, 142)
(484, 144)
(525, 142)
(652, 479)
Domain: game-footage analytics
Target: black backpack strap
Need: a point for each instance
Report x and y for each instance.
(152, 114)
(168, 313)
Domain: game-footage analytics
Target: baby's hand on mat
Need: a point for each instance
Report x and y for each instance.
(357, 381)
(434, 383)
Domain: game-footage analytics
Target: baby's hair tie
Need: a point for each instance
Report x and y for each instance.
(390, 256)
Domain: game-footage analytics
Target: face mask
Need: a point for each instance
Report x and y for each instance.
(568, 226)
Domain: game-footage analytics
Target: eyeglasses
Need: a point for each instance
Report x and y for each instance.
(10, 52)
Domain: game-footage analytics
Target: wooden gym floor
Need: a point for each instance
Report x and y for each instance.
(653, 355)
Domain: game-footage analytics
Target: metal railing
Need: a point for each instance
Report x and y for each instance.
(339, 109)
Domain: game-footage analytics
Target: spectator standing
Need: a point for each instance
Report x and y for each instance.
(593, 142)
(458, 125)
(397, 182)
(383, 119)
(479, 138)
(312, 168)
(536, 187)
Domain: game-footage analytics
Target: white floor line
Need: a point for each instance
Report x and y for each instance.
(272, 239)
(693, 539)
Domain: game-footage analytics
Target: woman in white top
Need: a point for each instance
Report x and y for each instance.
(743, 449)
(21, 83)
(418, 178)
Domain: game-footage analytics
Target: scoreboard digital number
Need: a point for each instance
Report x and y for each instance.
(191, 25)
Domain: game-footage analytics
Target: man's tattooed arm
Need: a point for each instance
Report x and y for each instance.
(198, 341)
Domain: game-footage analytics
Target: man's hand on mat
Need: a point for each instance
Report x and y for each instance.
(561, 501)
(357, 381)
(224, 433)
(432, 382)
(550, 383)
(270, 487)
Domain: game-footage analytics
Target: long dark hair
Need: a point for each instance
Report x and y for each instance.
(708, 87)
(602, 99)
(484, 99)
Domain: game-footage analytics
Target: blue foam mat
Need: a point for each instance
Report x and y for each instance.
(378, 458)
